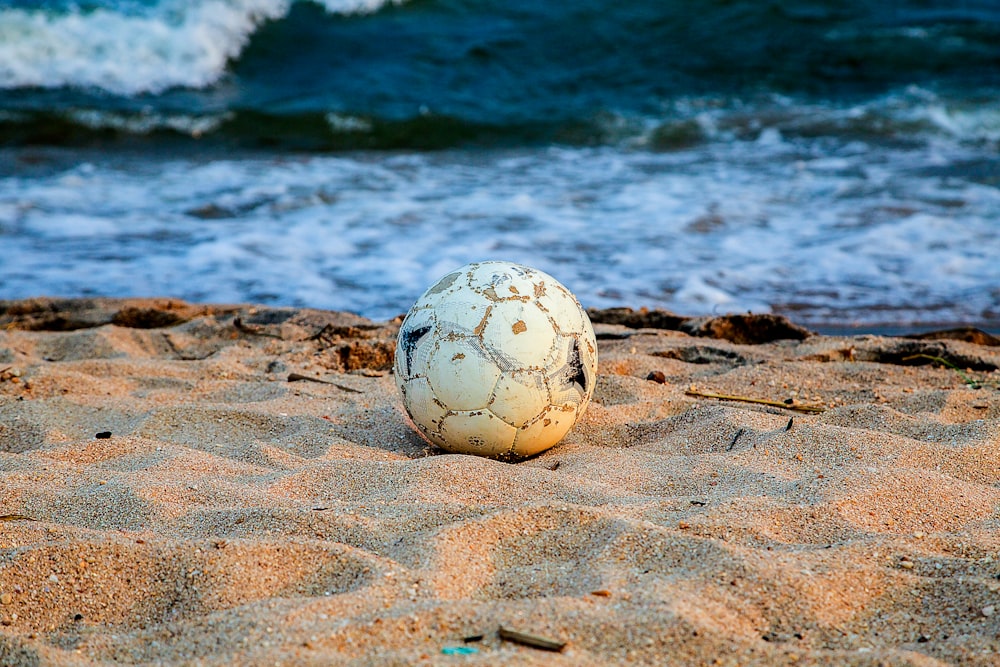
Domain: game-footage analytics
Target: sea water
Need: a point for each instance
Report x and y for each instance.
(835, 162)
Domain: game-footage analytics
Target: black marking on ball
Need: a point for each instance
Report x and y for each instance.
(575, 373)
(408, 339)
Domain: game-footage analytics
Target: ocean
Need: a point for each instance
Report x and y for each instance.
(835, 162)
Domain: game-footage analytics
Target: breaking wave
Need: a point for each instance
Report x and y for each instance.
(130, 50)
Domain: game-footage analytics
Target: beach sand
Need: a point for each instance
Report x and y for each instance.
(239, 515)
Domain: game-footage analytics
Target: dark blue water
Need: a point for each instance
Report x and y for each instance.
(443, 73)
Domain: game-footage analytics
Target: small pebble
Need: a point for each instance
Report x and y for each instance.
(103, 435)
(6, 598)
(657, 376)
(988, 610)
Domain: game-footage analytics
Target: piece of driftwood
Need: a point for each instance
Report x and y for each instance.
(533, 641)
(760, 401)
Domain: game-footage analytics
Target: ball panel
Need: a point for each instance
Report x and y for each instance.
(502, 281)
(466, 314)
(424, 408)
(566, 315)
(521, 333)
(430, 437)
(572, 373)
(445, 284)
(549, 428)
(461, 373)
(519, 397)
(477, 432)
(414, 342)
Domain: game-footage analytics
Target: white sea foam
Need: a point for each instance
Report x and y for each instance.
(356, 6)
(855, 232)
(173, 43)
(148, 121)
(912, 112)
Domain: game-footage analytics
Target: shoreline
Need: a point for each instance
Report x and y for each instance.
(178, 488)
(102, 309)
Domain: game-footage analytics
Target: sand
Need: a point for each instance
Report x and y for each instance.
(235, 517)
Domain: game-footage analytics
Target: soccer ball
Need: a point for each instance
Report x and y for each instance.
(496, 359)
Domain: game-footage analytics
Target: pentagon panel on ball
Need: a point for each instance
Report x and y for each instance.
(496, 359)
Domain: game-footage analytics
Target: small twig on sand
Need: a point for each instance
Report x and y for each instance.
(735, 438)
(759, 401)
(297, 377)
(533, 641)
(16, 517)
(252, 330)
(972, 382)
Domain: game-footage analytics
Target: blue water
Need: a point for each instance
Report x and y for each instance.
(833, 161)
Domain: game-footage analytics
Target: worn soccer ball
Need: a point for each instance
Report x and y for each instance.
(496, 359)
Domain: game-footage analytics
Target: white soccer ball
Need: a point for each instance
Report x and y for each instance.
(496, 359)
